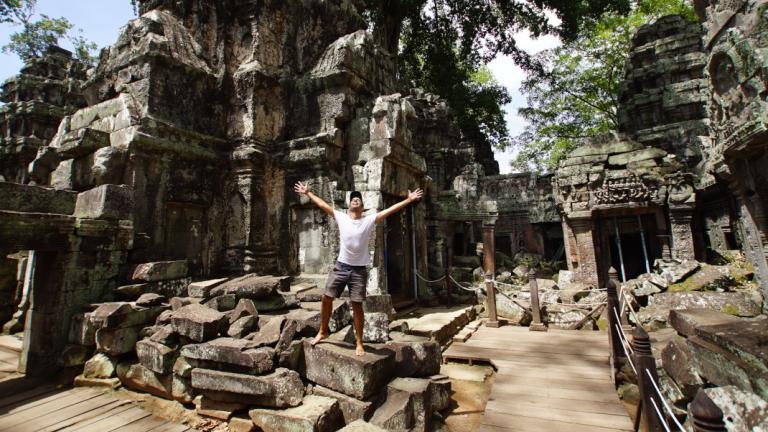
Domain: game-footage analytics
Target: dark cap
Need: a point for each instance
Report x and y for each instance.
(356, 194)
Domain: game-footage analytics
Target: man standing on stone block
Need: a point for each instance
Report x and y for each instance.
(351, 266)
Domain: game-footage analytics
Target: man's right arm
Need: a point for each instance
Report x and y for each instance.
(303, 189)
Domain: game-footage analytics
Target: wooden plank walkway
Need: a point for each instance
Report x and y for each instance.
(82, 409)
(558, 380)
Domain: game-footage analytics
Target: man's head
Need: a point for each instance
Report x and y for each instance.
(355, 200)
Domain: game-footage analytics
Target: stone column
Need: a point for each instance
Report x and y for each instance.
(249, 175)
(585, 271)
(489, 264)
(682, 234)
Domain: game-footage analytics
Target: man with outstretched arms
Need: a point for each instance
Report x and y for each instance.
(351, 267)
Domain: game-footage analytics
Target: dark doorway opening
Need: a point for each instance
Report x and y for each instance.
(632, 254)
(398, 257)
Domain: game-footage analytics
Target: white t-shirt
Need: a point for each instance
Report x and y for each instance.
(355, 234)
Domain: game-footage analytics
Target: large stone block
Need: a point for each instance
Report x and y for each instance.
(156, 356)
(252, 286)
(230, 355)
(198, 322)
(721, 367)
(416, 359)
(315, 414)
(202, 289)
(117, 341)
(677, 361)
(307, 321)
(686, 321)
(376, 327)
(268, 334)
(160, 270)
(281, 389)
(243, 327)
(100, 366)
(208, 407)
(244, 307)
(117, 315)
(181, 389)
(334, 365)
(105, 202)
(341, 314)
(742, 411)
(352, 409)
(82, 330)
(137, 377)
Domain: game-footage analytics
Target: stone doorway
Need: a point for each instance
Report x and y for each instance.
(630, 241)
(398, 256)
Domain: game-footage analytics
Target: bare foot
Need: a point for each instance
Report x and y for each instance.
(359, 350)
(318, 338)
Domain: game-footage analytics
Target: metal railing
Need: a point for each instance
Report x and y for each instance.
(654, 411)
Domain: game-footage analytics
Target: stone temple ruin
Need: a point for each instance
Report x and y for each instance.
(150, 237)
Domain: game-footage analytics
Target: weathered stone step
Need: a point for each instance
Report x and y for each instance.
(441, 324)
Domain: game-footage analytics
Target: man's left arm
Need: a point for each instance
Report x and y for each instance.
(412, 196)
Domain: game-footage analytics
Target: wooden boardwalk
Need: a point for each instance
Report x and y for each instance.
(82, 409)
(554, 381)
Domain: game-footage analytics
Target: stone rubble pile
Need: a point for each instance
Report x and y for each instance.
(240, 346)
(689, 284)
(715, 351)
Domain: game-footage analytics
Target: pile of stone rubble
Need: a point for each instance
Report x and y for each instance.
(238, 349)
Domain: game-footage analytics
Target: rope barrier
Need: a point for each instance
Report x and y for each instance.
(580, 304)
(624, 347)
(462, 286)
(429, 281)
(664, 401)
(663, 422)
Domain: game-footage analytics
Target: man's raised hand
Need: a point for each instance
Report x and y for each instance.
(415, 195)
(301, 188)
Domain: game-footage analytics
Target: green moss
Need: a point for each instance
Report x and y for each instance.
(602, 324)
(730, 310)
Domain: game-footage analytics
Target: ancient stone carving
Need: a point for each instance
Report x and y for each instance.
(625, 190)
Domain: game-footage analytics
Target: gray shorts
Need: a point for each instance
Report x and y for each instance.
(356, 277)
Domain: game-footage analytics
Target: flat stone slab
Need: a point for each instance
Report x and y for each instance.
(316, 413)
(440, 324)
(686, 321)
(252, 286)
(230, 354)
(160, 270)
(281, 389)
(334, 365)
(202, 289)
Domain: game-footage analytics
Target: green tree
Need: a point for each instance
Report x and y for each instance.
(442, 46)
(37, 33)
(6, 9)
(574, 95)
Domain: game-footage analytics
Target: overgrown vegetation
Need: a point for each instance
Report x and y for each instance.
(39, 31)
(574, 95)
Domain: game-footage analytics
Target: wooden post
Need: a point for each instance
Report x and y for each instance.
(447, 274)
(536, 324)
(489, 262)
(705, 415)
(645, 364)
(617, 352)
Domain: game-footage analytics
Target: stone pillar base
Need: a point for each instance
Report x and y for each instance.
(537, 327)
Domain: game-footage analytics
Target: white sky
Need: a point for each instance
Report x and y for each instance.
(102, 19)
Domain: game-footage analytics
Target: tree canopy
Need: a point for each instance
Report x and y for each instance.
(574, 95)
(443, 46)
(37, 33)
